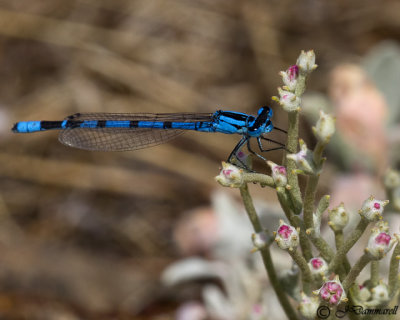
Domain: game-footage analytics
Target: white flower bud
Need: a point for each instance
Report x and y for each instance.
(308, 306)
(338, 218)
(364, 293)
(306, 61)
(396, 198)
(288, 100)
(325, 127)
(380, 292)
(230, 176)
(260, 240)
(278, 174)
(392, 179)
(381, 226)
(372, 209)
(304, 159)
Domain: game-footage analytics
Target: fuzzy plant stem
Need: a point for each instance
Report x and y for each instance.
(305, 270)
(294, 220)
(340, 255)
(393, 277)
(291, 146)
(339, 240)
(266, 255)
(311, 188)
(262, 179)
(374, 273)
(309, 198)
(355, 271)
(309, 207)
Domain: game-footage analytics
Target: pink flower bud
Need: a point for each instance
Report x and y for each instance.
(293, 72)
(278, 174)
(379, 244)
(318, 266)
(332, 292)
(372, 208)
(289, 78)
(230, 176)
(286, 236)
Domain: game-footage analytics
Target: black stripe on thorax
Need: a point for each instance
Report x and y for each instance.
(261, 119)
(236, 116)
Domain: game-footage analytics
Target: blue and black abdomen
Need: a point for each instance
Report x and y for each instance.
(119, 132)
(127, 131)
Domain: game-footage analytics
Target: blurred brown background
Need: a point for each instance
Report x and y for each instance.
(85, 235)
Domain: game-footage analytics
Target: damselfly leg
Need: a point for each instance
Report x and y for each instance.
(235, 152)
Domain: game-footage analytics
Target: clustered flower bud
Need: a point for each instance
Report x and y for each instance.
(396, 198)
(304, 159)
(288, 100)
(338, 218)
(306, 61)
(289, 78)
(230, 176)
(392, 179)
(332, 292)
(372, 209)
(392, 183)
(325, 127)
(380, 293)
(278, 174)
(382, 226)
(260, 240)
(318, 266)
(286, 236)
(308, 306)
(364, 293)
(379, 244)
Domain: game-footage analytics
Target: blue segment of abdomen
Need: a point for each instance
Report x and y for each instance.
(197, 126)
(27, 126)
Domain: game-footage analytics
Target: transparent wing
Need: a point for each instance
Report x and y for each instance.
(121, 139)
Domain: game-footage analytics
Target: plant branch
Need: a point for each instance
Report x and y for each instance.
(374, 273)
(291, 146)
(266, 255)
(262, 179)
(294, 221)
(355, 271)
(305, 270)
(393, 277)
(348, 244)
(339, 240)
